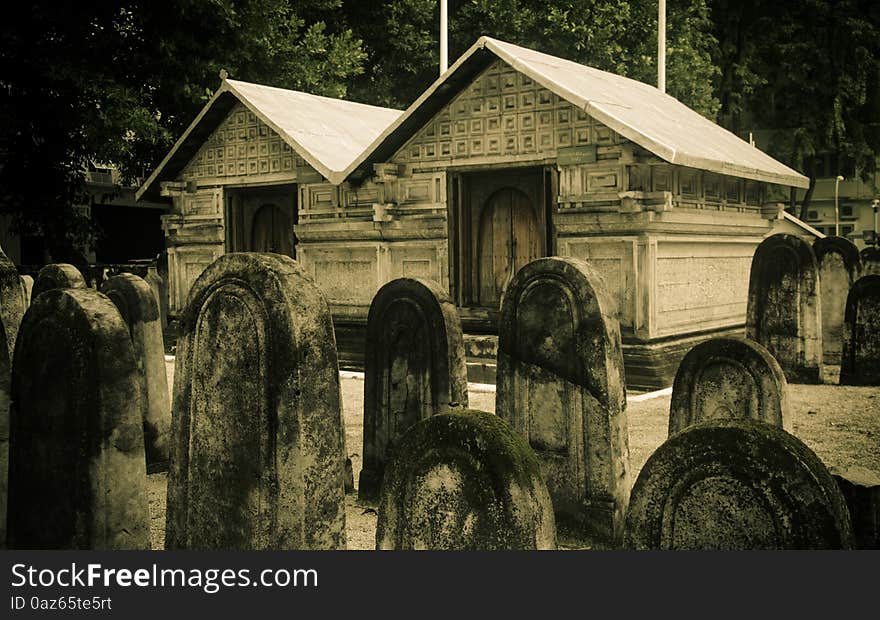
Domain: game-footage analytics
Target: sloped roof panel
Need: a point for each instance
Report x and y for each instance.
(654, 120)
(328, 133)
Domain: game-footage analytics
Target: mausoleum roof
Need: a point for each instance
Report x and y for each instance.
(327, 133)
(639, 112)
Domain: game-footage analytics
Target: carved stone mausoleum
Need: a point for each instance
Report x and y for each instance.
(509, 156)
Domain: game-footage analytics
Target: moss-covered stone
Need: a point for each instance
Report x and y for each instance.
(839, 265)
(860, 362)
(136, 303)
(414, 367)
(736, 484)
(76, 469)
(561, 386)
(728, 378)
(12, 307)
(257, 452)
(464, 480)
(57, 275)
(785, 306)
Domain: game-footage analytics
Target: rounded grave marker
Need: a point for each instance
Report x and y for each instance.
(839, 266)
(561, 386)
(784, 306)
(76, 464)
(257, 437)
(860, 362)
(414, 367)
(736, 484)
(464, 481)
(728, 378)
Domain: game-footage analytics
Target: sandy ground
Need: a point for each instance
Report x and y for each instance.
(841, 424)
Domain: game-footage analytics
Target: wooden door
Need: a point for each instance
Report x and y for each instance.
(509, 238)
(271, 231)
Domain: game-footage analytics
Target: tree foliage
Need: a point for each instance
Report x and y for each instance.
(613, 35)
(118, 82)
(807, 70)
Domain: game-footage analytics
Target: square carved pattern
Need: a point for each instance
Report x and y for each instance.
(504, 113)
(242, 145)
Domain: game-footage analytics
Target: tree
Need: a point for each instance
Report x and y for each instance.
(117, 82)
(808, 70)
(615, 35)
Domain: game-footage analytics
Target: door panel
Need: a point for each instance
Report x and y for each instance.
(509, 238)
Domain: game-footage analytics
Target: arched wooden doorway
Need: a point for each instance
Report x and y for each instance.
(271, 230)
(261, 219)
(499, 220)
(509, 238)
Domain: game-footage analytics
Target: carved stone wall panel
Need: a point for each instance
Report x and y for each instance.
(503, 113)
(701, 283)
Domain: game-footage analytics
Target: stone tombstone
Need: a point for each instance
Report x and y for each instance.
(27, 287)
(870, 259)
(839, 267)
(464, 481)
(137, 305)
(160, 292)
(561, 386)
(5, 379)
(860, 362)
(861, 489)
(257, 437)
(12, 302)
(77, 478)
(414, 367)
(57, 275)
(784, 311)
(736, 484)
(728, 378)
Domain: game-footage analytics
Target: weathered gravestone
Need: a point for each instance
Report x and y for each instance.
(257, 440)
(784, 310)
(12, 304)
(414, 367)
(728, 378)
(860, 363)
(839, 266)
(134, 299)
(160, 291)
(5, 380)
(736, 484)
(464, 480)
(76, 464)
(12, 307)
(861, 489)
(561, 386)
(59, 275)
(870, 259)
(27, 287)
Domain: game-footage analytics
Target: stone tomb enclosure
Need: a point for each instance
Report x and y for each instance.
(12, 301)
(57, 275)
(785, 307)
(414, 368)
(257, 449)
(736, 484)
(461, 481)
(861, 334)
(561, 386)
(76, 466)
(839, 266)
(136, 303)
(728, 378)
